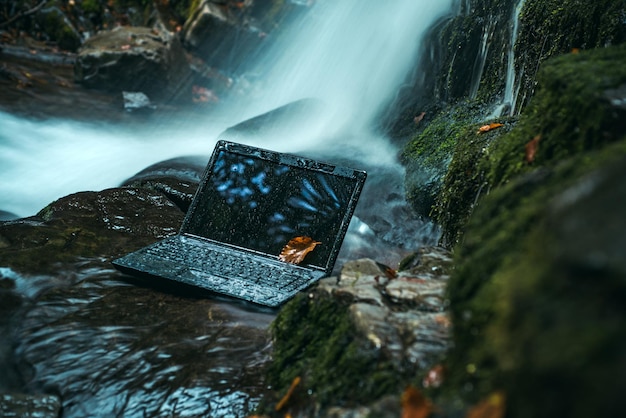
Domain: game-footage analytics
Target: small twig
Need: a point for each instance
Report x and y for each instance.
(24, 14)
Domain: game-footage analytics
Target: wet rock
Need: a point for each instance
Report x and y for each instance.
(134, 101)
(137, 59)
(7, 216)
(352, 342)
(109, 345)
(87, 224)
(176, 178)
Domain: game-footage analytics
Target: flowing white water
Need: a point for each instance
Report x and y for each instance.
(511, 88)
(351, 54)
(481, 59)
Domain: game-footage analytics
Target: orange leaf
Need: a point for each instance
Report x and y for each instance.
(415, 405)
(391, 273)
(417, 119)
(296, 249)
(285, 398)
(531, 149)
(491, 126)
(434, 377)
(492, 407)
(202, 95)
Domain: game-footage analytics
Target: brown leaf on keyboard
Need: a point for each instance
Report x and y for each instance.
(296, 249)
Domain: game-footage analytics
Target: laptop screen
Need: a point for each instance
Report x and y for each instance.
(261, 204)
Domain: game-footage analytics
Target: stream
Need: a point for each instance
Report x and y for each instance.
(107, 346)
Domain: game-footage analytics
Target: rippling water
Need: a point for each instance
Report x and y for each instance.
(109, 348)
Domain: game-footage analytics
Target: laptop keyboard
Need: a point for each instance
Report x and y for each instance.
(229, 272)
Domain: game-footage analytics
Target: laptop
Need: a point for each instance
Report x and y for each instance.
(262, 226)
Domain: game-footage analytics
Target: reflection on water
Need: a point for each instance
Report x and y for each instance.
(108, 348)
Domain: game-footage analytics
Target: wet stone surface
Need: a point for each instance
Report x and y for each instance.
(401, 312)
(358, 339)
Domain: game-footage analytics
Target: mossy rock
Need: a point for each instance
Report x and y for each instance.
(315, 340)
(549, 28)
(559, 332)
(428, 154)
(506, 292)
(57, 27)
(529, 317)
(573, 112)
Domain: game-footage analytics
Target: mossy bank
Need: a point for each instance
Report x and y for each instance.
(535, 300)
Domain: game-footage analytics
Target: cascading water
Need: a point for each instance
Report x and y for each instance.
(511, 88)
(481, 59)
(350, 54)
(113, 349)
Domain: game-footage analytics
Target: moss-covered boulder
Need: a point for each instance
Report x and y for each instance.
(536, 295)
(355, 338)
(428, 154)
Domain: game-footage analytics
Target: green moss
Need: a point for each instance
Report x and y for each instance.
(466, 179)
(91, 6)
(571, 114)
(553, 27)
(428, 154)
(56, 26)
(314, 339)
(581, 131)
(493, 242)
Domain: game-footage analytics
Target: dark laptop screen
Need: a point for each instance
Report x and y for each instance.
(260, 204)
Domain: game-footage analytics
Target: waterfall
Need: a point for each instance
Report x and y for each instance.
(350, 54)
(481, 59)
(511, 89)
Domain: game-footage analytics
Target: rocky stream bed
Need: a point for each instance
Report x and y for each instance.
(520, 315)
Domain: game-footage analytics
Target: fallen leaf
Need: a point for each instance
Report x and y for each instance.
(202, 95)
(280, 405)
(417, 119)
(415, 404)
(491, 126)
(391, 273)
(492, 407)
(531, 149)
(443, 320)
(296, 249)
(575, 50)
(434, 377)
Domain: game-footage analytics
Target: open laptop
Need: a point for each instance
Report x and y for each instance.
(250, 204)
